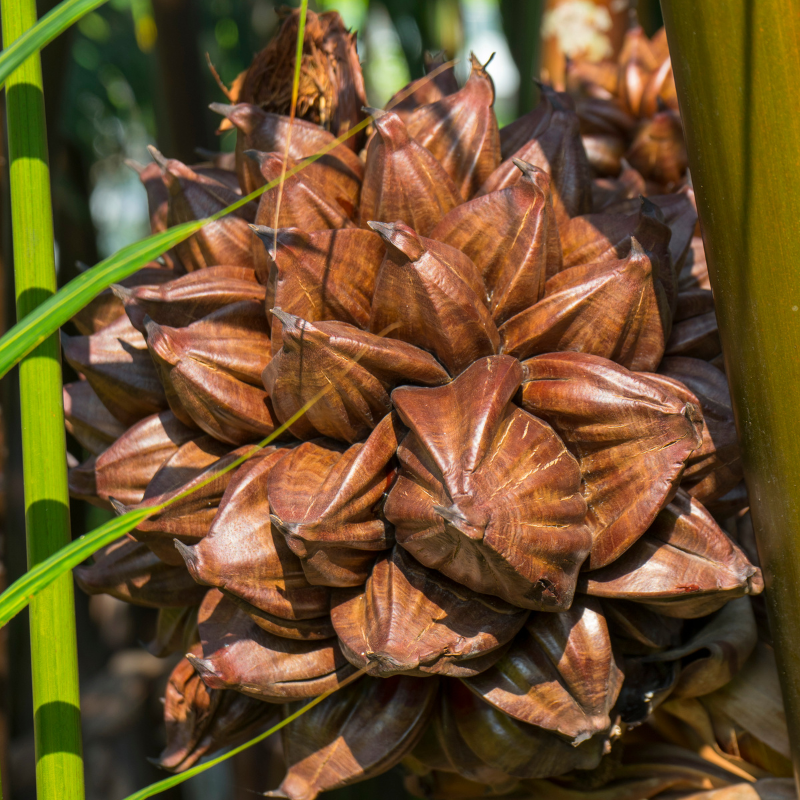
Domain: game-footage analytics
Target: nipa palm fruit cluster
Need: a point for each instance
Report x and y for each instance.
(494, 530)
(628, 109)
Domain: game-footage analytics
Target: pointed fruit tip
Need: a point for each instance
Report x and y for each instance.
(636, 248)
(131, 163)
(187, 554)
(287, 320)
(81, 266)
(157, 156)
(223, 109)
(119, 508)
(385, 229)
(121, 292)
(375, 113)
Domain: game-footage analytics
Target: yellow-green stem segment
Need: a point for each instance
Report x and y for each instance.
(737, 69)
(54, 666)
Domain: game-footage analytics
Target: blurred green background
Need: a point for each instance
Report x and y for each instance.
(131, 74)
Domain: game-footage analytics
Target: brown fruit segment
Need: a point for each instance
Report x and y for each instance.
(200, 721)
(185, 300)
(409, 619)
(212, 372)
(470, 500)
(560, 673)
(107, 307)
(190, 517)
(696, 337)
(262, 130)
(514, 747)
(306, 202)
(460, 130)
(512, 238)
(558, 150)
(715, 467)
(425, 90)
(120, 372)
(356, 371)
(125, 469)
(525, 128)
(326, 503)
(129, 571)
(239, 655)
(717, 652)
(323, 275)
(361, 730)
(659, 151)
(403, 181)
(431, 295)
(244, 556)
(442, 748)
(684, 566)
(638, 630)
(193, 197)
(617, 310)
(608, 237)
(88, 420)
(631, 437)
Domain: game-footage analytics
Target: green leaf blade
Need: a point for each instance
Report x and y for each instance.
(46, 29)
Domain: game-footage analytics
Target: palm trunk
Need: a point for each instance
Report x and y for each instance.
(737, 65)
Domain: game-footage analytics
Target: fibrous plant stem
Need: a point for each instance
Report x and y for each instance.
(59, 766)
(735, 84)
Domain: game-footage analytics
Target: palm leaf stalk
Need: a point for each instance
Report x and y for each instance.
(743, 138)
(54, 665)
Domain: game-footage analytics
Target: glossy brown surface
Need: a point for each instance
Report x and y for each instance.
(467, 503)
(356, 370)
(559, 674)
(199, 720)
(630, 437)
(362, 730)
(684, 566)
(185, 300)
(130, 571)
(444, 308)
(240, 655)
(440, 512)
(617, 309)
(323, 275)
(460, 131)
(409, 619)
(393, 156)
(513, 747)
(120, 372)
(125, 469)
(511, 237)
(324, 500)
(556, 148)
(245, 556)
(210, 383)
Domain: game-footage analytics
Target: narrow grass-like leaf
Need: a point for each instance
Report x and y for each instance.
(23, 590)
(56, 21)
